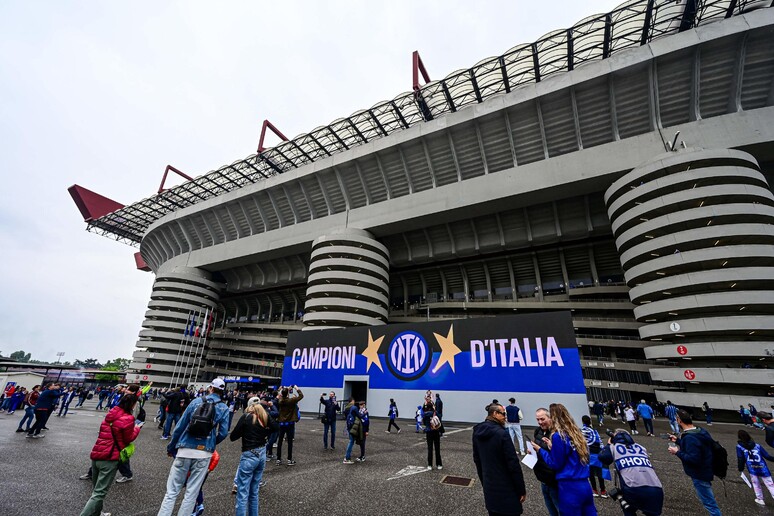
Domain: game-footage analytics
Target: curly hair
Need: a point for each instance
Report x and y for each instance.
(564, 424)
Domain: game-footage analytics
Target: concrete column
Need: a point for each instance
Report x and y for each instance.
(348, 281)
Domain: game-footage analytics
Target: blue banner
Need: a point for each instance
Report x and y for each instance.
(522, 353)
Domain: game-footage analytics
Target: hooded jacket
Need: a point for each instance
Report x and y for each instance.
(751, 454)
(498, 468)
(115, 433)
(696, 454)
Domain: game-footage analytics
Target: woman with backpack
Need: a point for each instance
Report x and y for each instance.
(357, 426)
(116, 432)
(254, 427)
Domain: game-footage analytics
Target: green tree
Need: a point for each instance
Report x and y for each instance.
(21, 356)
(118, 364)
(91, 363)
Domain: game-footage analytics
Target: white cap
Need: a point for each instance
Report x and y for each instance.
(218, 383)
(255, 400)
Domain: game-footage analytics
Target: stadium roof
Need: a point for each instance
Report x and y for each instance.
(631, 24)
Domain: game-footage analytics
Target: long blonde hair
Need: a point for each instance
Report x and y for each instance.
(258, 413)
(564, 424)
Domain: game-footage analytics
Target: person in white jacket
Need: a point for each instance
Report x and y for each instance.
(631, 418)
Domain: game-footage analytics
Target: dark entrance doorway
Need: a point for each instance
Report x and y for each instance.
(356, 389)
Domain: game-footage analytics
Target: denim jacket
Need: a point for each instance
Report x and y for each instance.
(181, 437)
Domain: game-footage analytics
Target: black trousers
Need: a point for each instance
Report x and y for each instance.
(434, 440)
(41, 417)
(290, 432)
(393, 423)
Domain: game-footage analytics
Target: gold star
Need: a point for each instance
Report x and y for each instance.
(372, 352)
(448, 350)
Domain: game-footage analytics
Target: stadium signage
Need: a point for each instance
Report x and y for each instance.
(527, 353)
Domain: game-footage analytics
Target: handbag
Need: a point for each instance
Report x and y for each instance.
(324, 419)
(124, 454)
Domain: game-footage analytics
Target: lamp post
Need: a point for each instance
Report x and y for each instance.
(59, 356)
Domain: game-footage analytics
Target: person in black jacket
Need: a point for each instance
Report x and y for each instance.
(176, 401)
(329, 423)
(498, 465)
(254, 427)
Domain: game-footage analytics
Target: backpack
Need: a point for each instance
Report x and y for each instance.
(203, 419)
(435, 422)
(719, 460)
(350, 418)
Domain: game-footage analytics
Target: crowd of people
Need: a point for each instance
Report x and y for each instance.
(571, 461)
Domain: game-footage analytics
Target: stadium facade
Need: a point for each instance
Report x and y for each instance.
(550, 178)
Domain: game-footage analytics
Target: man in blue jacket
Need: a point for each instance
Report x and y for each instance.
(497, 464)
(43, 409)
(646, 413)
(329, 424)
(694, 449)
(192, 451)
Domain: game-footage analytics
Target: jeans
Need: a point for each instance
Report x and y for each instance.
(706, 496)
(674, 426)
(171, 418)
(64, 407)
(648, 425)
(348, 453)
(99, 405)
(29, 416)
(332, 427)
(125, 468)
(515, 430)
(288, 430)
(248, 479)
(551, 498)
(104, 472)
(176, 481)
(270, 443)
(230, 419)
(709, 418)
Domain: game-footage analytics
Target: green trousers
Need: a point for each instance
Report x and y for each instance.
(103, 473)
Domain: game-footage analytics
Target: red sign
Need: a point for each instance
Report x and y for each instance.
(144, 377)
(690, 375)
(682, 350)
(148, 366)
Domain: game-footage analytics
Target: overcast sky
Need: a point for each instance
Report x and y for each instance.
(106, 94)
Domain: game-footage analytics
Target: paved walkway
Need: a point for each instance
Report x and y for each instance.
(40, 477)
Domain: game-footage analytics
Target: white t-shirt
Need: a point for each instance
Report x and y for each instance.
(630, 414)
(190, 453)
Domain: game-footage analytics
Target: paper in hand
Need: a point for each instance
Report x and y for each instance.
(529, 460)
(746, 480)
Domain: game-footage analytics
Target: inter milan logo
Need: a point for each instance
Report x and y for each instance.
(408, 356)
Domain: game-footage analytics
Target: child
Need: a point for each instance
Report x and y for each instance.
(595, 467)
(753, 454)
(418, 418)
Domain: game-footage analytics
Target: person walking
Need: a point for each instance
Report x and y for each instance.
(192, 445)
(640, 486)
(253, 428)
(694, 448)
(175, 404)
(547, 476)
(513, 424)
(599, 411)
(392, 413)
(67, 398)
(752, 455)
(329, 418)
(646, 413)
(670, 411)
(418, 419)
(433, 425)
(594, 443)
(497, 464)
(288, 417)
(631, 419)
(29, 412)
(568, 455)
(116, 432)
(708, 413)
(43, 409)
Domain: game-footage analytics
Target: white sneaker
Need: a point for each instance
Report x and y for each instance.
(429, 467)
(760, 501)
(439, 467)
(122, 479)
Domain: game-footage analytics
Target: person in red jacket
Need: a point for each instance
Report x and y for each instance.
(117, 430)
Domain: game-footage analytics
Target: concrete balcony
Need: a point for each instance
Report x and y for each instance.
(687, 374)
(738, 349)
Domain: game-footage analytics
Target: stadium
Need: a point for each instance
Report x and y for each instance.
(619, 170)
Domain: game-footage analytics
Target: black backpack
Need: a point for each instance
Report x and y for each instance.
(203, 419)
(719, 460)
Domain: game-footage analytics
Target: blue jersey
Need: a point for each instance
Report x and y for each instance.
(754, 459)
(671, 412)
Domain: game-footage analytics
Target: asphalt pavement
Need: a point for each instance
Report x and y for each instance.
(40, 476)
